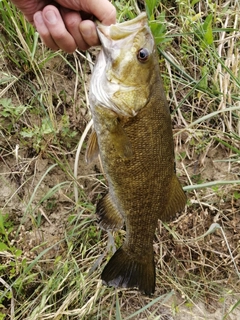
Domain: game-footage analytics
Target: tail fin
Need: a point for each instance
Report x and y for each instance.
(123, 271)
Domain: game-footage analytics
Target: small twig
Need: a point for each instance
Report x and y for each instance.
(89, 60)
(16, 153)
(85, 132)
(45, 216)
(196, 195)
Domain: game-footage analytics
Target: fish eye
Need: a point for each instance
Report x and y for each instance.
(143, 55)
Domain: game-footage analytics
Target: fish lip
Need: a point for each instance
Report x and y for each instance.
(118, 31)
(142, 18)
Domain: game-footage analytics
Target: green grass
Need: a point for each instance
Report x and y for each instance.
(51, 249)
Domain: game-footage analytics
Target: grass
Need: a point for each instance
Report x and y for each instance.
(51, 249)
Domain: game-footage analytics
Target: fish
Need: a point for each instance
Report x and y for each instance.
(133, 136)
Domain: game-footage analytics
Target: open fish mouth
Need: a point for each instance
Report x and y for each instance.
(120, 30)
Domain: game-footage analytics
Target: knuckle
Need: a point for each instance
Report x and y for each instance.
(71, 22)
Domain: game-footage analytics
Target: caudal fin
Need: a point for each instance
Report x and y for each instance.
(123, 271)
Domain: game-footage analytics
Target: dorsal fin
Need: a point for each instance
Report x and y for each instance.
(92, 148)
(108, 216)
(176, 201)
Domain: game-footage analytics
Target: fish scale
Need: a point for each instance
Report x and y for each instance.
(133, 135)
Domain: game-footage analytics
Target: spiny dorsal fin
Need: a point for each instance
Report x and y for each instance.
(92, 148)
(108, 216)
(177, 199)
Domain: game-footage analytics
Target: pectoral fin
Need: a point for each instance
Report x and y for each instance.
(108, 216)
(122, 144)
(92, 148)
(119, 138)
(113, 124)
(176, 201)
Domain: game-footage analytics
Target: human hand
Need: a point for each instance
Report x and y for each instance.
(67, 24)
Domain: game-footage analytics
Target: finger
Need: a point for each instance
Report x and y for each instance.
(88, 31)
(43, 31)
(104, 12)
(56, 27)
(72, 20)
(28, 8)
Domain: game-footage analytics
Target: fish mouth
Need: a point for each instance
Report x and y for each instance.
(120, 31)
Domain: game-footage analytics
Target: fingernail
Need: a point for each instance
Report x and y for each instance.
(51, 17)
(86, 32)
(38, 18)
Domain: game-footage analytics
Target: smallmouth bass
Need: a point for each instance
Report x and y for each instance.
(133, 134)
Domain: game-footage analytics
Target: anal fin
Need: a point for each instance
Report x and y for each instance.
(176, 201)
(108, 216)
